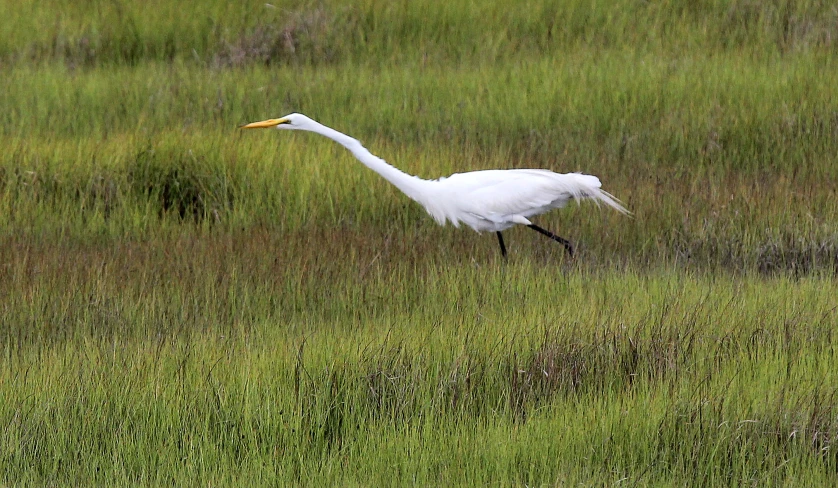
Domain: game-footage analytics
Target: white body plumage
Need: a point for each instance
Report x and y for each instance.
(495, 200)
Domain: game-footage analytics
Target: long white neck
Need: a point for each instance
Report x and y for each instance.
(412, 186)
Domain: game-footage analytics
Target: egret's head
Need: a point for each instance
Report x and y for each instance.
(291, 121)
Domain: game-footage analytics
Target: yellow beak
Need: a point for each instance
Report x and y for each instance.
(264, 124)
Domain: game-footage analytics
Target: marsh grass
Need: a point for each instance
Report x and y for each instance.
(323, 32)
(731, 169)
(229, 375)
(186, 303)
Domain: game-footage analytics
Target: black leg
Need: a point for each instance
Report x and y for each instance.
(502, 246)
(564, 242)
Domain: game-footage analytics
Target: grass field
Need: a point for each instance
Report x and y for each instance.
(186, 303)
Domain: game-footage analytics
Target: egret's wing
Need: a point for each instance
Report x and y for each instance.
(497, 194)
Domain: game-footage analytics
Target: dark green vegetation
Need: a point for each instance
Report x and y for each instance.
(183, 302)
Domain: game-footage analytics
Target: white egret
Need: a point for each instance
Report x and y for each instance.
(488, 200)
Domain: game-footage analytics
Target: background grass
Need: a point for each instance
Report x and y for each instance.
(186, 302)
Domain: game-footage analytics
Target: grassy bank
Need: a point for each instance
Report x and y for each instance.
(296, 32)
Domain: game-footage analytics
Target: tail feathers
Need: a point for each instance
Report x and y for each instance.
(590, 187)
(610, 200)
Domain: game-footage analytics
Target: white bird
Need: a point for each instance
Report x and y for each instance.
(488, 200)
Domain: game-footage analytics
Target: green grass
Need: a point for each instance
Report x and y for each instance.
(448, 374)
(380, 32)
(186, 303)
